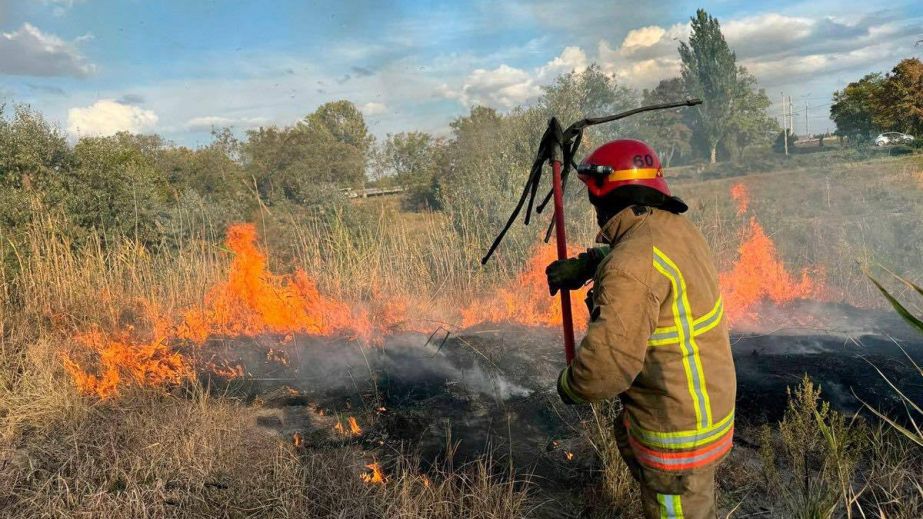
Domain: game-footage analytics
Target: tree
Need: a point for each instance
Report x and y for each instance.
(899, 104)
(592, 92)
(709, 71)
(341, 142)
(413, 158)
(749, 124)
(115, 187)
(408, 156)
(666, 130)
(344, 122)
(330, 146)
(854, 107)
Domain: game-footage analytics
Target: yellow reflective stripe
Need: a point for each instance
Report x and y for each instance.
(692, 362)
(709, 320)
(680, 440)
(671, 506)
(633, 174)
(666, 335)
(565, 386)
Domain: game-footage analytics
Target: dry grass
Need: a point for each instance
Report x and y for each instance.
(147, 454)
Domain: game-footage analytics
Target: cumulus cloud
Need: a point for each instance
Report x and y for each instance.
(373, 108)
(30, 52)
(507, 87)
(645, 56)
(503, 87)
(777, 48)
(572, 59)
(208, 122)
(107, 117)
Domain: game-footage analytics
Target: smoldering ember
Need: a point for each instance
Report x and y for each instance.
(462, 259)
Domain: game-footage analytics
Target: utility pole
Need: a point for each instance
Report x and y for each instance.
(806, 118)
(784, 125)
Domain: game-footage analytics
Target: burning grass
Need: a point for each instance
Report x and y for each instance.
(132, 323)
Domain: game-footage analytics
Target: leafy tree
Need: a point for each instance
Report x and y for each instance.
(778, 144)
(414, 158)
(344, 122)
(709, 71)
(31, 150)
(853, 108)
(750, 124)
(329, 146)
(899, 103)
(408, 155)
(576, 95)
(666, 130)
(115, 187)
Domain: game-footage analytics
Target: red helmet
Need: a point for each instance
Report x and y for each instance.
(622, 162)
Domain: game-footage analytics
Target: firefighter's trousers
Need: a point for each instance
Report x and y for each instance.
(690, 495)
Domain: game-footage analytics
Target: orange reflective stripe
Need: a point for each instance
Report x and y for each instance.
(682, 460)
(634, 174)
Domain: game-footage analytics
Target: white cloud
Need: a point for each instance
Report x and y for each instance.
(30, 52)
(206, 123)
(643, 37)
(107, 117)
(502, 87)
(507, 87)
(572, 59)
(373, 108)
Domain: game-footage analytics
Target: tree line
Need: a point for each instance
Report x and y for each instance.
(145, 187)
(881, 102)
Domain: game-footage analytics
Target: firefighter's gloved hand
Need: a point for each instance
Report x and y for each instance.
(564, 390)
(573, 273)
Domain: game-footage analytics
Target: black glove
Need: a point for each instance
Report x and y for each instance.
(573, 273)
(565, 392)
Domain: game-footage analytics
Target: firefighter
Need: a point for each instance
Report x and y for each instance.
(657, 335)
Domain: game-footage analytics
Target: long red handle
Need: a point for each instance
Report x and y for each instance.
(561, 240)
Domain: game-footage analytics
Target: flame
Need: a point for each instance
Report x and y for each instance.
(526, 300)
(568, 455)
(426, 481)
(376, 477)
(254, 301)
(354, 428)
(741, 197)
(297, 439)
(759, 274)
(123, 359)
(249, 302)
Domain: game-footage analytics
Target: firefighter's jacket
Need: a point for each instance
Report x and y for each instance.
(658, 337)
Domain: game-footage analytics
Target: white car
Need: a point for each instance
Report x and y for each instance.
(888, 138)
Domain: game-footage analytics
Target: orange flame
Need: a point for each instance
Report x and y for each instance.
(741, 196)
(526, 300)
(568, 455)
(297, 439)
(375, 477)
(124, 359)
(251, 301)
(759, 274)
(354, 428)
(254, 301)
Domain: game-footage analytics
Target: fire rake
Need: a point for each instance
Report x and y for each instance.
(558, 147)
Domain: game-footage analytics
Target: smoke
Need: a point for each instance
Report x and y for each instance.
(404, 362)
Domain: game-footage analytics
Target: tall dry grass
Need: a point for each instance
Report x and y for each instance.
(191, 454)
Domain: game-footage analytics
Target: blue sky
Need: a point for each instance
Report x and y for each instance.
(179, 68)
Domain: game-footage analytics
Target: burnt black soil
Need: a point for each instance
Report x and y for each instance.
(492, 388)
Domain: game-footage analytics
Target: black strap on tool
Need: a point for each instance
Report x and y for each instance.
(563, 143)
